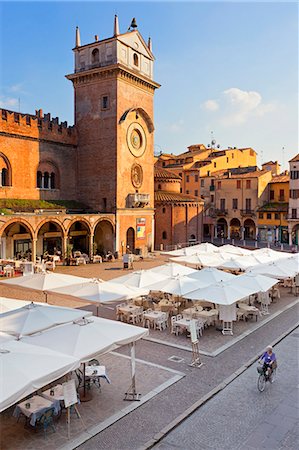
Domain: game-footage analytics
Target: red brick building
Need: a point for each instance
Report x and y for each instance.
(105, 162)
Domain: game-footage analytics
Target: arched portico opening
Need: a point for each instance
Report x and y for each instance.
(249, 229)
(221, 228)
(130, 245)
(49, 239)
(16, 241)
(235, 229)
(103, 238)
(295, 235)
(79, 236)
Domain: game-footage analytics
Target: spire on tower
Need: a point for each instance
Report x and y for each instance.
(149, 44)
(116, 26)
(78, 40)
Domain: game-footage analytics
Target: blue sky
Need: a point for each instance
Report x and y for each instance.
(230, 68)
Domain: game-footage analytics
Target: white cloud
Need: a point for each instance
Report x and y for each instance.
(236, 106)
(8, 102)
(210, 105)
(16, 87)
(176, 127)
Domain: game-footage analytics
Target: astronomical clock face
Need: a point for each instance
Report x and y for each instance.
(136, 139)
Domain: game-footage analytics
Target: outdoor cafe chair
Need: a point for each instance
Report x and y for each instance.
(46, 421)
(174, 328)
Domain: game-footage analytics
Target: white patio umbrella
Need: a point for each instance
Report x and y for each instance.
(240, 262)
(37, 317)
(210, 275)
(269, 255)
(232, 249)
(221, 293)
(172, 269)
(204, 260)
(276, 269)
(205, 247)
(140, 278)
(44, 281)
(25, 368)
(175, 285)
(260, 283)
(10, 304)
(95, 291)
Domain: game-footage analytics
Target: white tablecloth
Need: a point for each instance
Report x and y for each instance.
(38, 405)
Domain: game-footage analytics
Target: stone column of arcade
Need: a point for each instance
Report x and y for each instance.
(91, 236)
(34, 241)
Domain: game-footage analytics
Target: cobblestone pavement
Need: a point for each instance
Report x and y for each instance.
(240, 417)
(137, 428)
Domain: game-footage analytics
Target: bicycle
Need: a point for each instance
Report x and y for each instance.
(265, 376)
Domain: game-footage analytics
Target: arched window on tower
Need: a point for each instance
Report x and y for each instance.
(39, 179)
(4, 177)
(52, 184)
(5, 171)
(46, 180)
(136, 59)
(95, 56)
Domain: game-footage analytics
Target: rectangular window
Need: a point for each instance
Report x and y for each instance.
(294, 213)
(238, 184)
(222, 204)
(202, 183)
(181, 190)
(196, 193)
(208, 173)
(212, 198)
(105, 102)
(227, 160)
(281, 195)
(248, 204)
(219, 185)
(187, 178)
(261, 215)
(187, 192)
(215, 165)
(269, 215)
(276, 216)
(235, 203)
(248, 184)
(196, 178)
(271, 195)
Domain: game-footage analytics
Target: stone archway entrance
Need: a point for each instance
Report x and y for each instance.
(249, 229)
(221, 228)
(235, 229)
(295, 235)
(16, 241)
(49, 239)
(79, 236)
(103, 238)
(130, 245)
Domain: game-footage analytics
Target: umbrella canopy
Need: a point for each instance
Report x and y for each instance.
(205, 260)
(172, 269)
(269, 255)
(101, 292)
(44, 281)
(232, 249)
(260, 283)
(205, 247)
(280, 269)
(10, 304)
(37, 317)
(240, 262)
(88, 338)
(210, 275)
(140, 278)
(221, 293)
(176, 285)
(25, 368)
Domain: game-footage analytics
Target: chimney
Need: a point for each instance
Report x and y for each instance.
(149, 44)
(96, 37)
(78, 39)
(116, 26)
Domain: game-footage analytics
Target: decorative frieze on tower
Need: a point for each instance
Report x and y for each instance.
(114, 91)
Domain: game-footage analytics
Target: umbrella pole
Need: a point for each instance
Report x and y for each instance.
(97, 310)
(86, 396)
(132, 394)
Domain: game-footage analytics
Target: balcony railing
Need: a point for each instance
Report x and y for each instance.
(221, 212)
(247, 212)
(138, 200)
(292, 217)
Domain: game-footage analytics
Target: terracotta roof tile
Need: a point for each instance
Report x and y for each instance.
(280, 179)
(296, 158)
(166, 174)
(169, 197)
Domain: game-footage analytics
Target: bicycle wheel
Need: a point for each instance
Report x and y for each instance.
(261, 382)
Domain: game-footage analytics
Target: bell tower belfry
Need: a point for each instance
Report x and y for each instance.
(114, 92)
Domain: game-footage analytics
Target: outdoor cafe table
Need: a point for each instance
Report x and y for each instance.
(249, 309)
(153, 316)
(96, 372)
(192, 311)
(57, 396)
(209, 316)
(183, 323)
(38, 405)
(126, 310)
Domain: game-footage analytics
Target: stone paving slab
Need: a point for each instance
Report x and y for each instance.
(104, 409)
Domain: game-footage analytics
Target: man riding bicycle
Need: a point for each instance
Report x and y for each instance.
(269, 361)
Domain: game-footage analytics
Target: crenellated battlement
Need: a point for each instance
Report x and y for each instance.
(37, 125)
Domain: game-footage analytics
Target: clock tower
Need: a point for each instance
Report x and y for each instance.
(114, 92)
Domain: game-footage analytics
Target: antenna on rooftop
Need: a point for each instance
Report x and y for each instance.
(283, 149)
